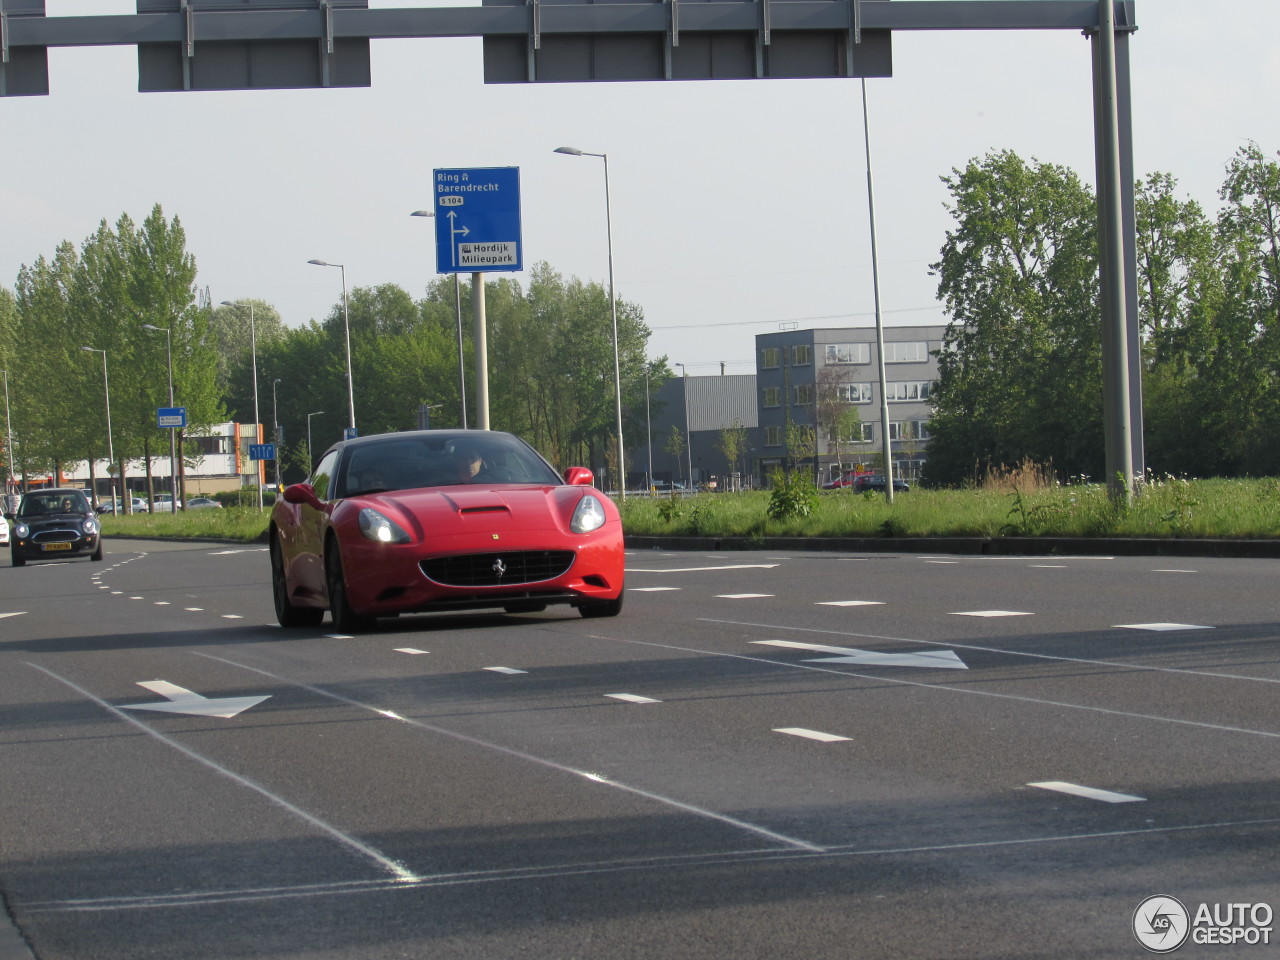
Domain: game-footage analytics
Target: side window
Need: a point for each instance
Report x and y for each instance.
(322, 479)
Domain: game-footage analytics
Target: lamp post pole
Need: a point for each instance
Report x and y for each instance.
(106, 392)
(886, 445)
(613, 310)
(346, 329)
(257, 436)
(457, 304)
(10, 480)
(173, 442)
(310, 462)
(275, 430)
(648, 427)
(688, 434)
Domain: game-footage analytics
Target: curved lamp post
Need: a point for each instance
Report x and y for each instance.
(253, 346)
(111, 450)
(173, 440)
(346, 329)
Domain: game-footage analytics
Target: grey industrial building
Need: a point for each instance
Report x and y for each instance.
(826, 380)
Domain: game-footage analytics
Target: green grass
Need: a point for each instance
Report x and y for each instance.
(1235, 509)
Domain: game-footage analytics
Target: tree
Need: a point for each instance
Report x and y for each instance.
(675, 446)
(1020, 372)
(837, 416)
(733, 443)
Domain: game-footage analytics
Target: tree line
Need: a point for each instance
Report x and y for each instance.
(1020, 372)
(129, 290)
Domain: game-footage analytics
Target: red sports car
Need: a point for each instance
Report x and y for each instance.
(436, 520)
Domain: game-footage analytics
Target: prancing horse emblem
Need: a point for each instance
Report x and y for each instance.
(499, 567)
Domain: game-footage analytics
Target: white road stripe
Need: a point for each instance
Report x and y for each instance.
(1161, 626)
(810, 734)
(507, 670)
(743, 596)
(411, 650)
(632, 698)
(850, 603)
(735, 566)
(990, 613)
(650, 589)
(1089, 793)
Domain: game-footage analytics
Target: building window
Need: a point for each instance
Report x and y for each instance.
(854, 392)
(908, 430)
(773, 436)
(906, 390)
(906, 351)
(802, 394)
(770, 358)
(801, 355)
(848, 353)
(858, 433)
(771, 397)
(209, 446)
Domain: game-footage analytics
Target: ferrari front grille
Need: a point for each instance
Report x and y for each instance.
(498, 569)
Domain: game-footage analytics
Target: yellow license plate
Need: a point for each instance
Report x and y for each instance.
(55, 546)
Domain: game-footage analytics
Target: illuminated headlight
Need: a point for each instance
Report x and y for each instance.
(588, 516)
(379, 529)
(21, 530)
(90, 526)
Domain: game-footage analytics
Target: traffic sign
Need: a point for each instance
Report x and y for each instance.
(478, 220)
(173, 417)
(262, 451)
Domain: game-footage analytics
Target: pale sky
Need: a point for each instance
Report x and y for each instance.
(737, 205)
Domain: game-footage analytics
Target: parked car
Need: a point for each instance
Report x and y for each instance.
(163, 503)
(4, 532)
(54, 524)
(441, 520)
(138, 505)
(875, 482)
(203, 503)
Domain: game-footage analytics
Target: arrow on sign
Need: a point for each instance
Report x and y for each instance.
(937, 659)
(181, 700)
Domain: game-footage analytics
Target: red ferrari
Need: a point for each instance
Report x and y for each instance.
(438, 520)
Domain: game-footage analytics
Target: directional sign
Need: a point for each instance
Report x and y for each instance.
(478, 220)
(171, 417)
(181, 700)
(938, 659)
(262, 451)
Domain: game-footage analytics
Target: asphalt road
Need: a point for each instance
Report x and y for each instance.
(765, 756)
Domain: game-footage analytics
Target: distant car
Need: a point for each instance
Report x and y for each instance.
(436, 520)
(874, 482)
(53, 524)
(112, 506)
(163, 503)
(4, 532)
(203, 503)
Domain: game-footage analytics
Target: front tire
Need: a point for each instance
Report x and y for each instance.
(609, 608)
(344, 617)
(288, 614)
(17, 560)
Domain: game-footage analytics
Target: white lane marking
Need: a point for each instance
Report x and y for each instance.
(1161, 626)
(943, 562)
(850, 603)
(137, 598)
(512, 671)
(339, 636)
(810, 734)
(743, 596)
(232, 616)
(990, 613)
(116, 593)
(1048, 566)
(397, 870)
(1175, 571)
(650, 589)
(162, 603)
(937, 659)
(632, 698)
(194, 609)
(1016, 558)
(735, 566)
(689, 808)
(411, 650)
(1089, 793)
(227, 553)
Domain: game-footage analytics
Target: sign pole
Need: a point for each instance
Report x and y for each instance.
(482, 352)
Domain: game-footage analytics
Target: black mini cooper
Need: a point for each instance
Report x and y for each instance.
(51, 524)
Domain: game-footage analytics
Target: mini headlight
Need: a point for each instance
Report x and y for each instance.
(378, 528)
(90, 525)
(21, 530)
(588, 516)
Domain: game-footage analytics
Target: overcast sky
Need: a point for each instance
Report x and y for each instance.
(737, 205)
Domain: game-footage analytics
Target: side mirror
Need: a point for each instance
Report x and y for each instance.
(302, 493)
(578, 477)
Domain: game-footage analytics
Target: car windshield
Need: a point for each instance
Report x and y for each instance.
(53, 502)
(410, 462)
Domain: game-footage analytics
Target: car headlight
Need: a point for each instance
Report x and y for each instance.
(588, 516)
(21, 530)
(90, 526)
(378, 528)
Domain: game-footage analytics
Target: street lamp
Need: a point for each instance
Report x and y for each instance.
(346, 327)
(253, 347)
(613, 306)
(106, 392)
(275, 428)
(457, 301)
(8, 427)
(310, 462)
(173, 454)
(688, 434)
(648, 428)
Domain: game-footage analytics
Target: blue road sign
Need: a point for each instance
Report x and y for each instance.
(262, 451)
(174, 417)
(478, 220)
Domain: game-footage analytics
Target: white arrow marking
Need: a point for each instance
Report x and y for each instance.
(1090, 793)
(18, 614)
(937, 659)
(182, 700)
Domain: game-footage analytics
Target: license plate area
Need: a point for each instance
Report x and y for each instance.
(54, 546)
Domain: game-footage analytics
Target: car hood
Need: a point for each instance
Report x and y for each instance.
(54, 520)
(449, 510)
